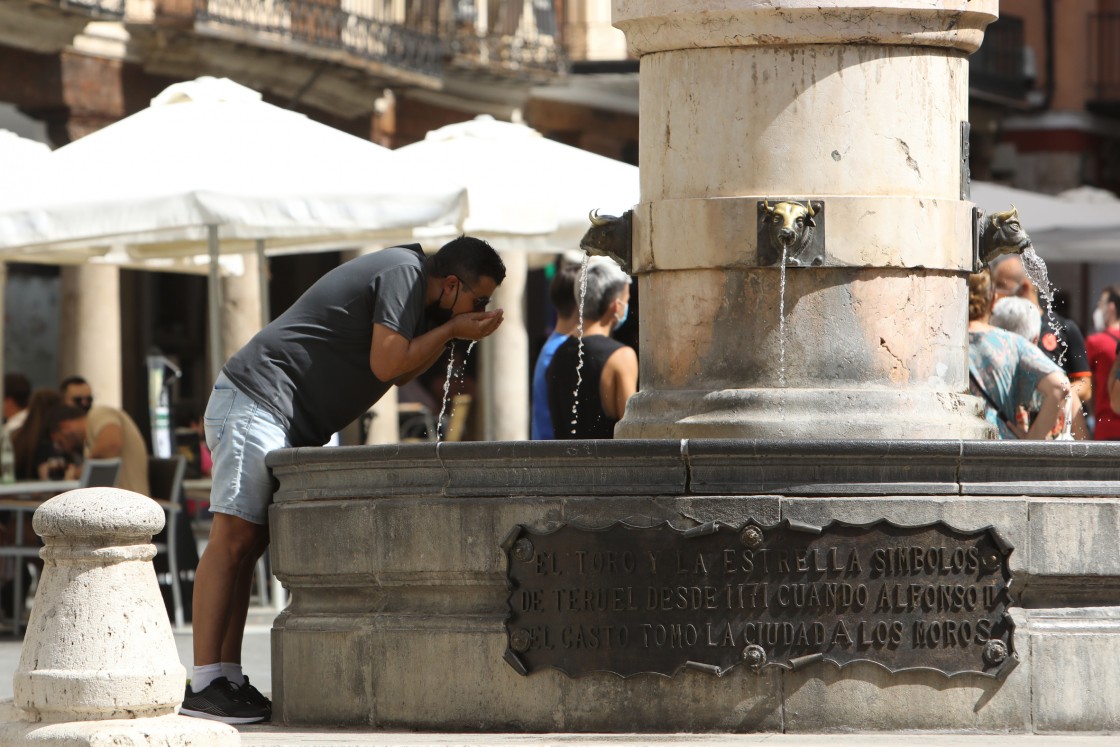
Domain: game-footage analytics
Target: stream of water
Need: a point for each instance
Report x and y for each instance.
(579, 332)
(782, 321)
(1035, 268)
(453, 373)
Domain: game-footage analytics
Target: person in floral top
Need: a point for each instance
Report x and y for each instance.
(1005, 370)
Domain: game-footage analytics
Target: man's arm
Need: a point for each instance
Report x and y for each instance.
(1053, 387)
(1114, 384)
(1083, 387)
(620, 381)
(393, 357)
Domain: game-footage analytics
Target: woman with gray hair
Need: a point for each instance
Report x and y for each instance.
(587, 401)
(1017, 315)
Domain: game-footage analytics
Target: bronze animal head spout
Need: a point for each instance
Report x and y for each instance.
(610, 236)
(788, 226)
(1002, 233)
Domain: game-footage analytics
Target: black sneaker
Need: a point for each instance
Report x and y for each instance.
(220, 701)
(253, 696)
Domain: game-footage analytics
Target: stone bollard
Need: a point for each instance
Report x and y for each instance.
(99, 659)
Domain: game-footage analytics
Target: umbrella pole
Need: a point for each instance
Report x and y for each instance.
(215, 301)
(262, 278)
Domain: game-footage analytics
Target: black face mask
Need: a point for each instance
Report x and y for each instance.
(436, 315)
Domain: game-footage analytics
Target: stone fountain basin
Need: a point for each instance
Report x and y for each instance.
(399, 589)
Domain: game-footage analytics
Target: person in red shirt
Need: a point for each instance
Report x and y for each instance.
(1101, 348)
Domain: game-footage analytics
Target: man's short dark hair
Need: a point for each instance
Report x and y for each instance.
(562, 291)
(469, 259)
(17, 388)
(1113, 292)
(59, 414)
(71, 381)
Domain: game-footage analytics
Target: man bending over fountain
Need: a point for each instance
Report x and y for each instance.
(373, 322)
(591, 376)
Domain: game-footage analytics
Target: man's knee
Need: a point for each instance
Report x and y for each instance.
(237, 538)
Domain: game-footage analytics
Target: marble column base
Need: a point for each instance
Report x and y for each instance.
(804, 413)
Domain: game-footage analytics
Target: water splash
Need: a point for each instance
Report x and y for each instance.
(1035, 268)
(579, 332)
(1067, 424)
(453, 373)
(782, 321)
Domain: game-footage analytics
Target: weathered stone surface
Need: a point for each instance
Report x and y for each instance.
(1075, 537)
(162, 731)
(824, 700)
(1016, 468)
(745, 102)
(99, 664)
(99, 644)
(823, 467)
(403, 597)
(658, 25)
(447, 673)
(1075, 678)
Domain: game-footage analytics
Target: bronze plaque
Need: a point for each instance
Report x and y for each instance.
(628, 599)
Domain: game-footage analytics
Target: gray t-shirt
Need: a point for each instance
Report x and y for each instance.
(311, 364)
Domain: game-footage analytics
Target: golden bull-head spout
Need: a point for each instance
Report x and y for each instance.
(1001, 233)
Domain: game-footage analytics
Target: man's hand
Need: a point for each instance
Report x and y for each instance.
(394, 359)
(476, 325)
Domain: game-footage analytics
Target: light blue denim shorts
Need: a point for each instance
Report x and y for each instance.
(239, 434)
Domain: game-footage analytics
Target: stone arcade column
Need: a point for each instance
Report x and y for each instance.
(505, 370)
(241, 306)
(91, 330)
(854, 103)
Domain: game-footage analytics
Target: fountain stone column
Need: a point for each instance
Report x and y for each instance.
(857, 105)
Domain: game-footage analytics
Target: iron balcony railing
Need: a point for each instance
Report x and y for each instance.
(504, 37)
(999, 66)
(1104, 56)
(108, 10)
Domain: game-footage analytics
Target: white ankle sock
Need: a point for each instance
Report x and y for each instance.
(233, 673)
(204, 675)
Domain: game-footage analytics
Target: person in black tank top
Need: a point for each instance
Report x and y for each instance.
(591, 407)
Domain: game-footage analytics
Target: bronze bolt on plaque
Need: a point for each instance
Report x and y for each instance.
(628, 599)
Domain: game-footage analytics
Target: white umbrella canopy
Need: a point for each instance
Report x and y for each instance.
(211, 154)
(533, 192)
(19, 156)
(1062, 230)
(209, 168)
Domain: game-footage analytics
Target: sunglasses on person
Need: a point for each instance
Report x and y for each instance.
(480, 302)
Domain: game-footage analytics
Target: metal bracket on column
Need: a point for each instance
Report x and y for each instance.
(977, 232)
(793, 228)
(966, 169)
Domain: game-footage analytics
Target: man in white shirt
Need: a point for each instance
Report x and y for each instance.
(17, 391)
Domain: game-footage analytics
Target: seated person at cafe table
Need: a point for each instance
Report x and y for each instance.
(36, 457)
(103, 433)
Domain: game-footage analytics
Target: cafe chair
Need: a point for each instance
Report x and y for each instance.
(165, 482)
(96, 473)
(100, 473)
